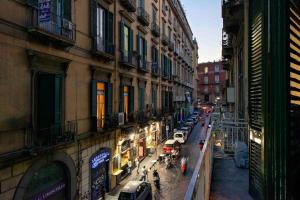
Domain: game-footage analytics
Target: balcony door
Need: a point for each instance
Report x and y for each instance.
(49, 106)
(100, 28)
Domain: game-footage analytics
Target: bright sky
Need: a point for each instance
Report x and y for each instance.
(204, 17)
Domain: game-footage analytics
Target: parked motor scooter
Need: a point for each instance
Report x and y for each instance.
(156, 179)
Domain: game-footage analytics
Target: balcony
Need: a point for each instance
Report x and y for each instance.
(155, 29)
(110, 122)
(143, 66)
(164, 39)
(226, 64)
(51, 27)
(232, 13)
(154, 69)
(109, 1)
(128, 59)
(227, 49)
(130, 5)
(143, 16)
(171, 45)
(103, 48)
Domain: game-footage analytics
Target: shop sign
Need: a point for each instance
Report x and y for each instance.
(44, 11)
(125, 145)
(100, 158)
(50, 191)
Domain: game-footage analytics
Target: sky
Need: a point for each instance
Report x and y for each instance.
(204, 17)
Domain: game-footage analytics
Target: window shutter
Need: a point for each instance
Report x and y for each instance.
(138, 45)
(130, 45)
(162, 64)
(122, 37)
(109, 31)
(121, 98)
(108, 99)
(131, 98)
(93, 10)
(145, 53)
(67, 9)
(57, 100)
(94, 104)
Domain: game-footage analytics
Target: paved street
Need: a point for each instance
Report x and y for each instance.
(173, 183)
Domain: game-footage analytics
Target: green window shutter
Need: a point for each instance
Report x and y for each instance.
(145, 52)
(131, 99)
(108, 99)
(67, 9)
(93, 20)
(143, 98)
(153, 54)
(57, 99)
(109, 31)
(162, 64)
(121, 98)
(139, 99)
(122, 37)
(130, 45)
(94, 98)
(138, 45)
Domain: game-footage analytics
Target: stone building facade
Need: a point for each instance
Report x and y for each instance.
(85, 87)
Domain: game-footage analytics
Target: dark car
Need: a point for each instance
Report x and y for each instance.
(136, 190)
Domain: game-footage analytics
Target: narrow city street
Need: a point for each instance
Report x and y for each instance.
(173, 183)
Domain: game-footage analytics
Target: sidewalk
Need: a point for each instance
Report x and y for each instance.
(134, 176)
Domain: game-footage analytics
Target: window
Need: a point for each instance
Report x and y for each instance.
(126, 100)
(154, 14)
(155, 61)
(49, 104)
(142, 51)
(206, 70)
(141, 99)
(206, 80)
(154, 97)
(163, 27)
(102, 29)
(142, 3)
(100, 104)
(217, 89)
(217, 68)
(206, 89)
(126, 42)
(217, 79)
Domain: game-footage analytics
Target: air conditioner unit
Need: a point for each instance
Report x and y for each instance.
(67, 24)
(121, 118)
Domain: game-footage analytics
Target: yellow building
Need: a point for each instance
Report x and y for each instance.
(86, 86)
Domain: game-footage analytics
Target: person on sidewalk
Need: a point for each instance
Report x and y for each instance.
(102, 191)
(137, 163)
(144, 173)
(129, 166)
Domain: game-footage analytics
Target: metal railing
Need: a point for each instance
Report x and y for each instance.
(128, 58)
(51, 23)
(108, 122)
(154, 68)
(102, 45)
(199, 186)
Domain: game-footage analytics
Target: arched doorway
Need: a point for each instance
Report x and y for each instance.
(49, 182)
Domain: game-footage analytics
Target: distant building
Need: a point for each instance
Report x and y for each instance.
(211, 82)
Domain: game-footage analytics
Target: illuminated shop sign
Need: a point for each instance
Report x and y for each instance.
(50, 191)
(99, 159)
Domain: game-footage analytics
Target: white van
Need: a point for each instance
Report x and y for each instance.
(180, 136)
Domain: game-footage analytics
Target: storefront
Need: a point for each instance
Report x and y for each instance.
(99, 168)
(152, 136)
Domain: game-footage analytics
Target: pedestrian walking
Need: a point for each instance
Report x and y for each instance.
(144, 173)
(137, 163)
(129, 166)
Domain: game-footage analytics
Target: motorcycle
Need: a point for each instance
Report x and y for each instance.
(168, 162)
(156, 179)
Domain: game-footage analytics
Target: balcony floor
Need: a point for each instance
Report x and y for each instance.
(228, 181)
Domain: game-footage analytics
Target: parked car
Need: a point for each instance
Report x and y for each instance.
(186, 129)
(136, 190)
(180, 136)
(170, 146)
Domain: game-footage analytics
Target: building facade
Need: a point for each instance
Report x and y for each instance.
(87, 86)
(195, 74)
(211, 82)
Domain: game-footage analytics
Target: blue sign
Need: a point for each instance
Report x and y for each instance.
(44, 11)
(103, 156)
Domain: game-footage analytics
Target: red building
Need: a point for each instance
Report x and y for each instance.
(211, 82)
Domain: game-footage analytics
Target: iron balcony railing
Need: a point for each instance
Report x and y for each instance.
(103, 46)
(171, 45)
(130, 5)
(109, 122)
(52, 136)
(143, 65)
(154, 69)
(51, 25)
(143, 16)
(155, 29)
(128, 59)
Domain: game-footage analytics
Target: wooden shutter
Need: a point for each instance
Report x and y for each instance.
(145, 53)
(93, 18)
(57, 99)
(294, 101)
(108, 99)
(162, 64)
(131, 98)
(67, 10)
(138, 45)
(121, 98)
(122, 38)
(93, 98)
(109, 32)
(130, 45)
